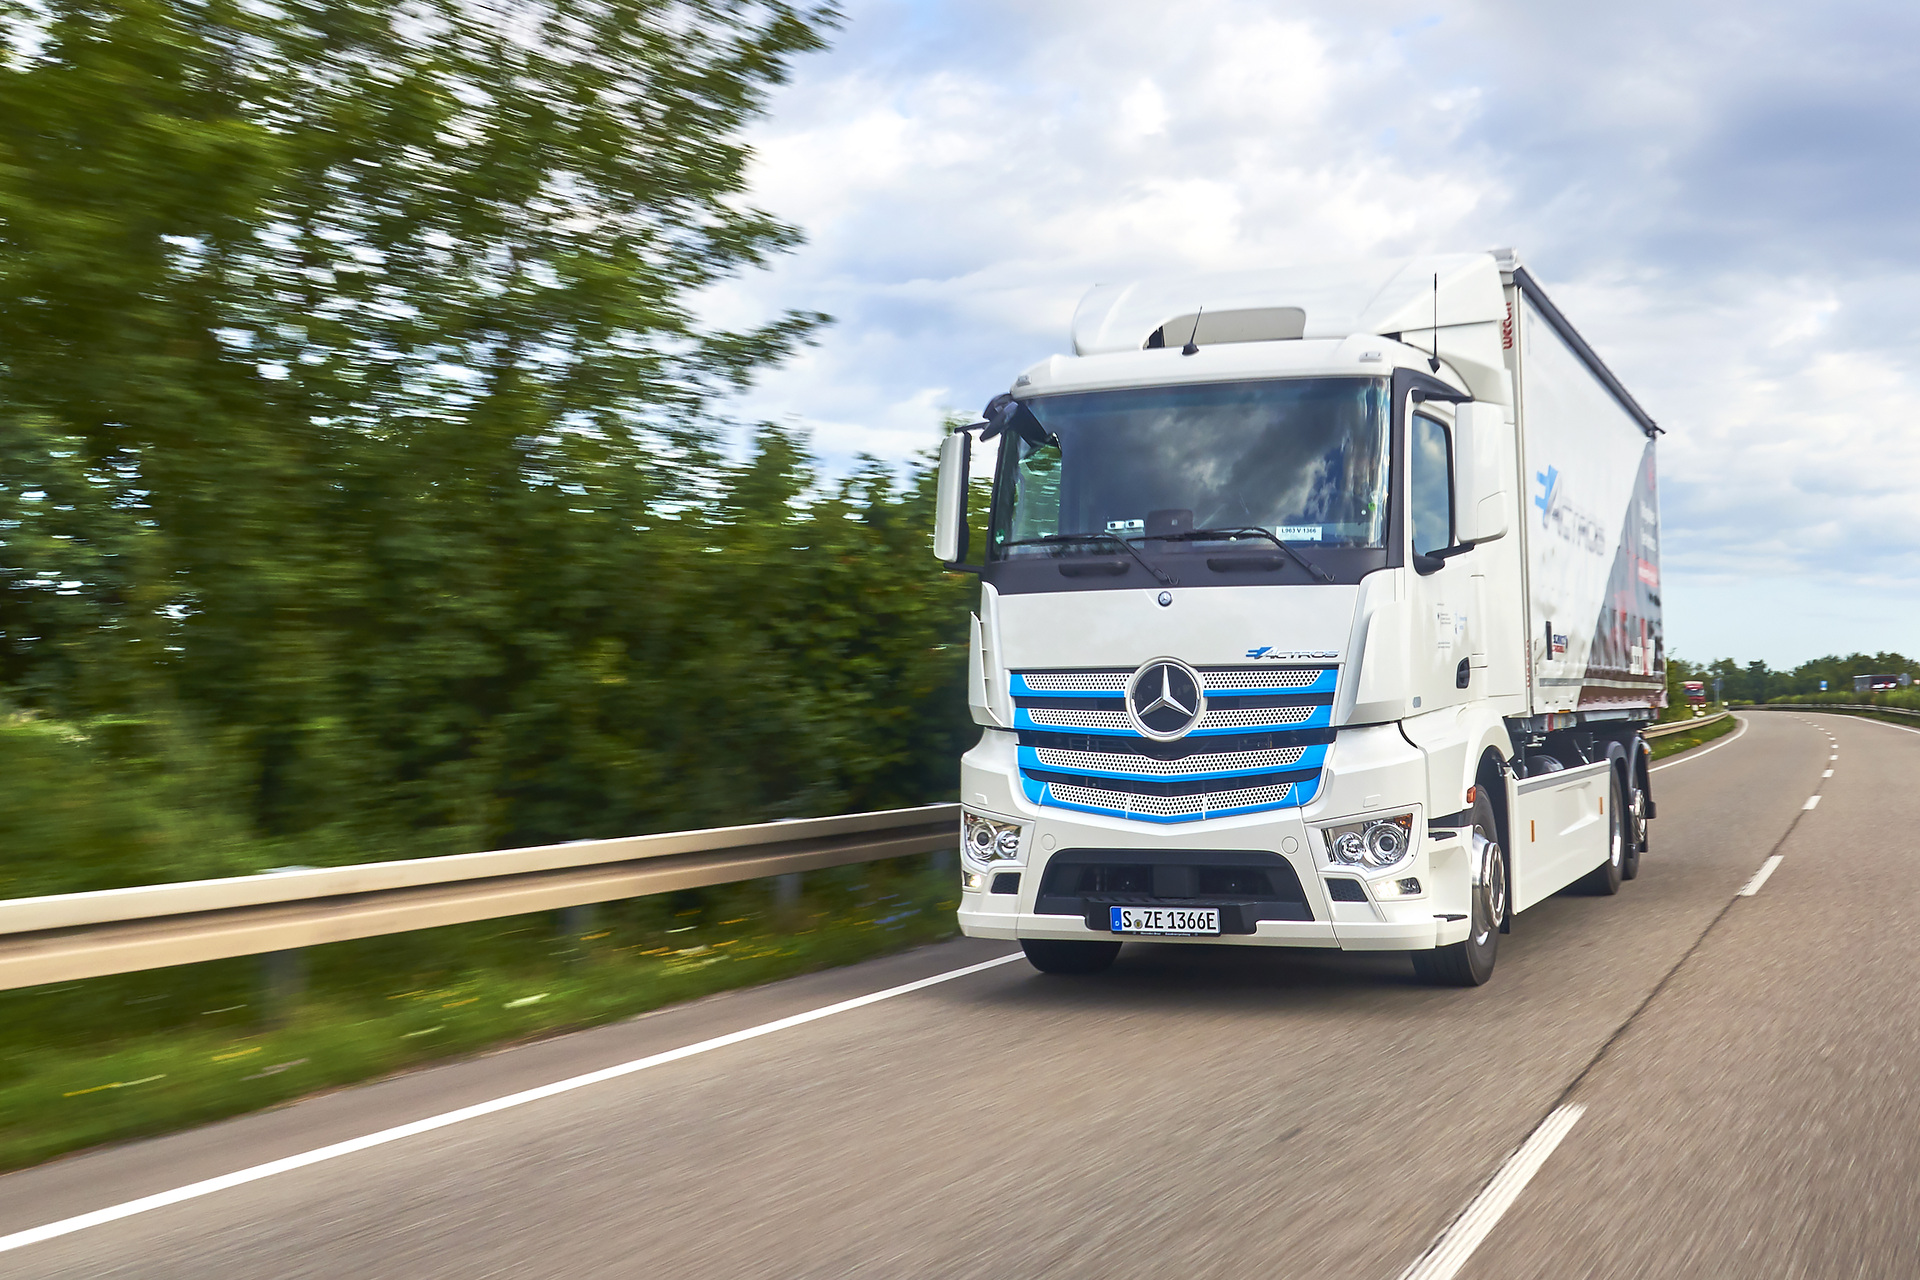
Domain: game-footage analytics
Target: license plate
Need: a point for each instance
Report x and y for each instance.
(1175, 920)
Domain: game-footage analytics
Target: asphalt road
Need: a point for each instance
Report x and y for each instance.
(1743, 1067)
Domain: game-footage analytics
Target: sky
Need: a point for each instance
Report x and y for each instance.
(1722, 197)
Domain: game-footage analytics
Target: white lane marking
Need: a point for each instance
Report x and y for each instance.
(226, 1181)
(1760, 877)
(1695, 755)
(1834, 756)
(1813, 802)
(1446, 1255)
(1827, 774)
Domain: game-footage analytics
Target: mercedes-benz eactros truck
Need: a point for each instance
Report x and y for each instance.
(1319, 607)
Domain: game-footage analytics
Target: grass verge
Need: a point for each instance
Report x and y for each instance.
(1674, 744)
(148, 1053)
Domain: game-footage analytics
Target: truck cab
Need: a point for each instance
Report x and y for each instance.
(1259, 659)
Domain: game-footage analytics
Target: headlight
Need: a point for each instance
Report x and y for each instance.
(986, 840)
(1374, 845)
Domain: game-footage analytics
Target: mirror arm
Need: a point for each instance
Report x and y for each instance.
(1426, 562)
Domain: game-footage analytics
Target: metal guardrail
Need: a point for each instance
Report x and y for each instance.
(69, 936)
(1834, 706)
(1681, 726)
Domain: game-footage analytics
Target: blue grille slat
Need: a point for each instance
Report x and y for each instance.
(1324, 682)
(1313, 757)
(1318, 718)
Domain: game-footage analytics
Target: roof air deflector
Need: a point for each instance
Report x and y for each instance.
(1213, 328)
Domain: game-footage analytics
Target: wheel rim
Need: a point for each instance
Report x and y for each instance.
(1618, 836)
(1490, 895)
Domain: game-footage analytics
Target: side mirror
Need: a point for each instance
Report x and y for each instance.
(1480, 471)
(950, 499)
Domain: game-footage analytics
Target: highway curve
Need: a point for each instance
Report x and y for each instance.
(1739, 1072)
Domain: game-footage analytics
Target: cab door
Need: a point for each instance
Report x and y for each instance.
(1445, 633)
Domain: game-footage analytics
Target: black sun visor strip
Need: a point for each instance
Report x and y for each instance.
(1551, 314)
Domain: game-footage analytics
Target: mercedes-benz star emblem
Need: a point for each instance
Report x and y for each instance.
(1164, 699)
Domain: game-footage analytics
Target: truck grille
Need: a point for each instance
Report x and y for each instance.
(1222, 762)
(1260, 744)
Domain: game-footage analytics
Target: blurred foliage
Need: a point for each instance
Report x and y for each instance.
(359, 494)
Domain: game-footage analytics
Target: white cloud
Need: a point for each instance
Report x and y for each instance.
(1719, 196)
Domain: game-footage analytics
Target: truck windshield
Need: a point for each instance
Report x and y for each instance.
(1302, 458)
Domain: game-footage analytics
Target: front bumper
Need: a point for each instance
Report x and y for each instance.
(1369, 771)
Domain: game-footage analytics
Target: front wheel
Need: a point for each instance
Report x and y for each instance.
(1051, 955)
(1470, 963)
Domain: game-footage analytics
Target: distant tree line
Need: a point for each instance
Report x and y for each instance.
(1757, 682)
(360, 494)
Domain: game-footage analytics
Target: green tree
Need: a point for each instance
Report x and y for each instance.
(354, 423)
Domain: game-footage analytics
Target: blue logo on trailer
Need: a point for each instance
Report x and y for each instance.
(1548, 479)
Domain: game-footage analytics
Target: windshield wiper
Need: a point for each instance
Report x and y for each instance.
(1094, 537)
(1250, 531)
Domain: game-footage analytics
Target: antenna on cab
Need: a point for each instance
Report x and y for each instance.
(1193, 348)
(1433, 361)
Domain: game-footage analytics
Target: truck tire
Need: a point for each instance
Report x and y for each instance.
(1604, 880)
(1636, 817)
(1051, 955)
(1470, 963)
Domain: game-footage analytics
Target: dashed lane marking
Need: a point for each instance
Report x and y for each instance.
(1760, 876)
(1813, 802)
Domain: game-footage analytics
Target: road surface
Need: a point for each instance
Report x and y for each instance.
(1729, 1078)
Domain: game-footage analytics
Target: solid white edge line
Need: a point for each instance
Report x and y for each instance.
(1888, 724)
(1695, 755)
(1760, 877)
(1445, 1256)
(1813, 802)
(226, 1181)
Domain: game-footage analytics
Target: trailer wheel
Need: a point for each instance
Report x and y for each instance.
(1604, 880)
(1055, 955)
(1470, 963)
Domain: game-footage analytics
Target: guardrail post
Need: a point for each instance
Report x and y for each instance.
(575, 923)
(283, 980)
(786, 890)
(283, 975)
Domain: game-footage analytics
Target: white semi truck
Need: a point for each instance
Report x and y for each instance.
(1319, 608)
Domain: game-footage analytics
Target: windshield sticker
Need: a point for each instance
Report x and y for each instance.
(1299, 532)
